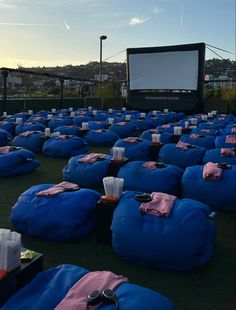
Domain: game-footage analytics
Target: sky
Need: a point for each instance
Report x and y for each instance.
(66, 32)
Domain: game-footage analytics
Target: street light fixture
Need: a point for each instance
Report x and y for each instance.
(100, 64)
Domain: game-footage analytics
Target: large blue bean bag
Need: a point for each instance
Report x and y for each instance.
(31, 126)
(220, 142)
(94, 125)
(78, 120)
(215, 156)
(182, 158)
(101, 137)
(59, 121)
(206, 131)
(139, 150)
(50, 287)
(182, 241)
(65, 216)
(86, 174)
(168, 128)
(5, 137)
(124, 129)
(17, 162)
(206, 141)
(64, 146)
(8, 126)
(143, 124)
(218, 194)
(33, 141)
(37, 118)
(214, 124)
(166, 178)
(68, 130)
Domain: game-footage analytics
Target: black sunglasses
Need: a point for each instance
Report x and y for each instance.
(105, 296)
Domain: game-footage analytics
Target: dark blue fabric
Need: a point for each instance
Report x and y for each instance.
(68, 130)
(93, 125)
(135, 151)
(172, 155)
(127, 130)
(205, 131)
(5, 137)
(67, 148)
(138, 178)
(86, 175)
(212, 124)
(39, 119)
(17, 162)
(143, 124)
(49, 288)
(214, 156)
(182, 241)
(33, 142)
(220, 143)
(104, 138)
(59, 121)
(8, 126)
(78, 120)
(29, 127)
(206, 141)
(218, 194)
(66, 216)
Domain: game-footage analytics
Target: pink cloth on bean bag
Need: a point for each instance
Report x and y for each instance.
(211, 171)
(58, 188)
(91, 158)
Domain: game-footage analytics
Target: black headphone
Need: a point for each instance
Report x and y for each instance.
(106, 296)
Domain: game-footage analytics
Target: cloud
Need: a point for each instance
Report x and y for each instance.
(136, 21)
(66, 25)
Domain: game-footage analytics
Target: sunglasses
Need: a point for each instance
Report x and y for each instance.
(105, 296)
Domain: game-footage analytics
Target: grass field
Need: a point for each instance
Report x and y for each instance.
(212, 287)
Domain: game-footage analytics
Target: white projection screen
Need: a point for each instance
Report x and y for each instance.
(177, 70)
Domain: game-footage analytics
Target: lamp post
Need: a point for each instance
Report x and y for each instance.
(100, 64)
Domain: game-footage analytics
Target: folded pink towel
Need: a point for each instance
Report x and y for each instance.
(233, 129)
(150, 165)
(100, 130)
(120, 124)
(37, 118)
(165, 126)
(205, 130)
(211, 171)
(91, 158)
(63, 137)
(210, 123)
(194, 136)
(76, 298)
(58, 188)
(4, 150)
(160, 205)
(26, 133)
(230, 139)
(227, 152)
(131, 140)
(182, 145)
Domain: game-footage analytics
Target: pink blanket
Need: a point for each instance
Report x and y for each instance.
(211, 171)
(150, 165)
(131, 140)
(91, 158)
(205, 130)
(230, 139)
(160, 205)
(63, 137)
(76, 298)
(182, 145)
(165, 126)
(26, 133)
(4, 150)
(227, 152)
(194, 136)
(120, 124)
(100, 130)
(58, 188)
(233, 129)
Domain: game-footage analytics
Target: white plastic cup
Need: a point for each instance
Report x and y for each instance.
(71, 109)
(166, 110)
(94, 112)
(127, 117)
(72, 114)
(90, 108)
(19, 120)
(110, 120)
(124, 109)
(118, 153)
(84, 126)
(54, 110)
(30, 112)
(4, 113)
(156, 138)
(154, 112)
(186, 124)
(49, 116)
(47, 132)
(110, 111)
(143, 115)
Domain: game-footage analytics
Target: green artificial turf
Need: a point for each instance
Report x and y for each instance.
(212, 287)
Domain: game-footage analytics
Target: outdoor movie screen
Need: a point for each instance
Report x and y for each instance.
(173, 70)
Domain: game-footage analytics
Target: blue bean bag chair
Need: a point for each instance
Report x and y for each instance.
(31, 126)
(215, 156)
(206, 141)
(65, 216)
(86, 174)
(139, 150)
(101, 137)
(170, 154)
(79, 119)
(37, 118)
(53, 284)
(5, 137)
(64, 146)
(160, 178)
(181, 241)
(143, 124)
(147, 135)
(16, 162)
(206, 131)
(212, 124)
(218, 194)
(220, 142)
(33, 141)
(102, 116)
(124, 129)
(8, 126)
(68, 130)
(167, 128)
(228, 130)
(94, 125)
(59, 121)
